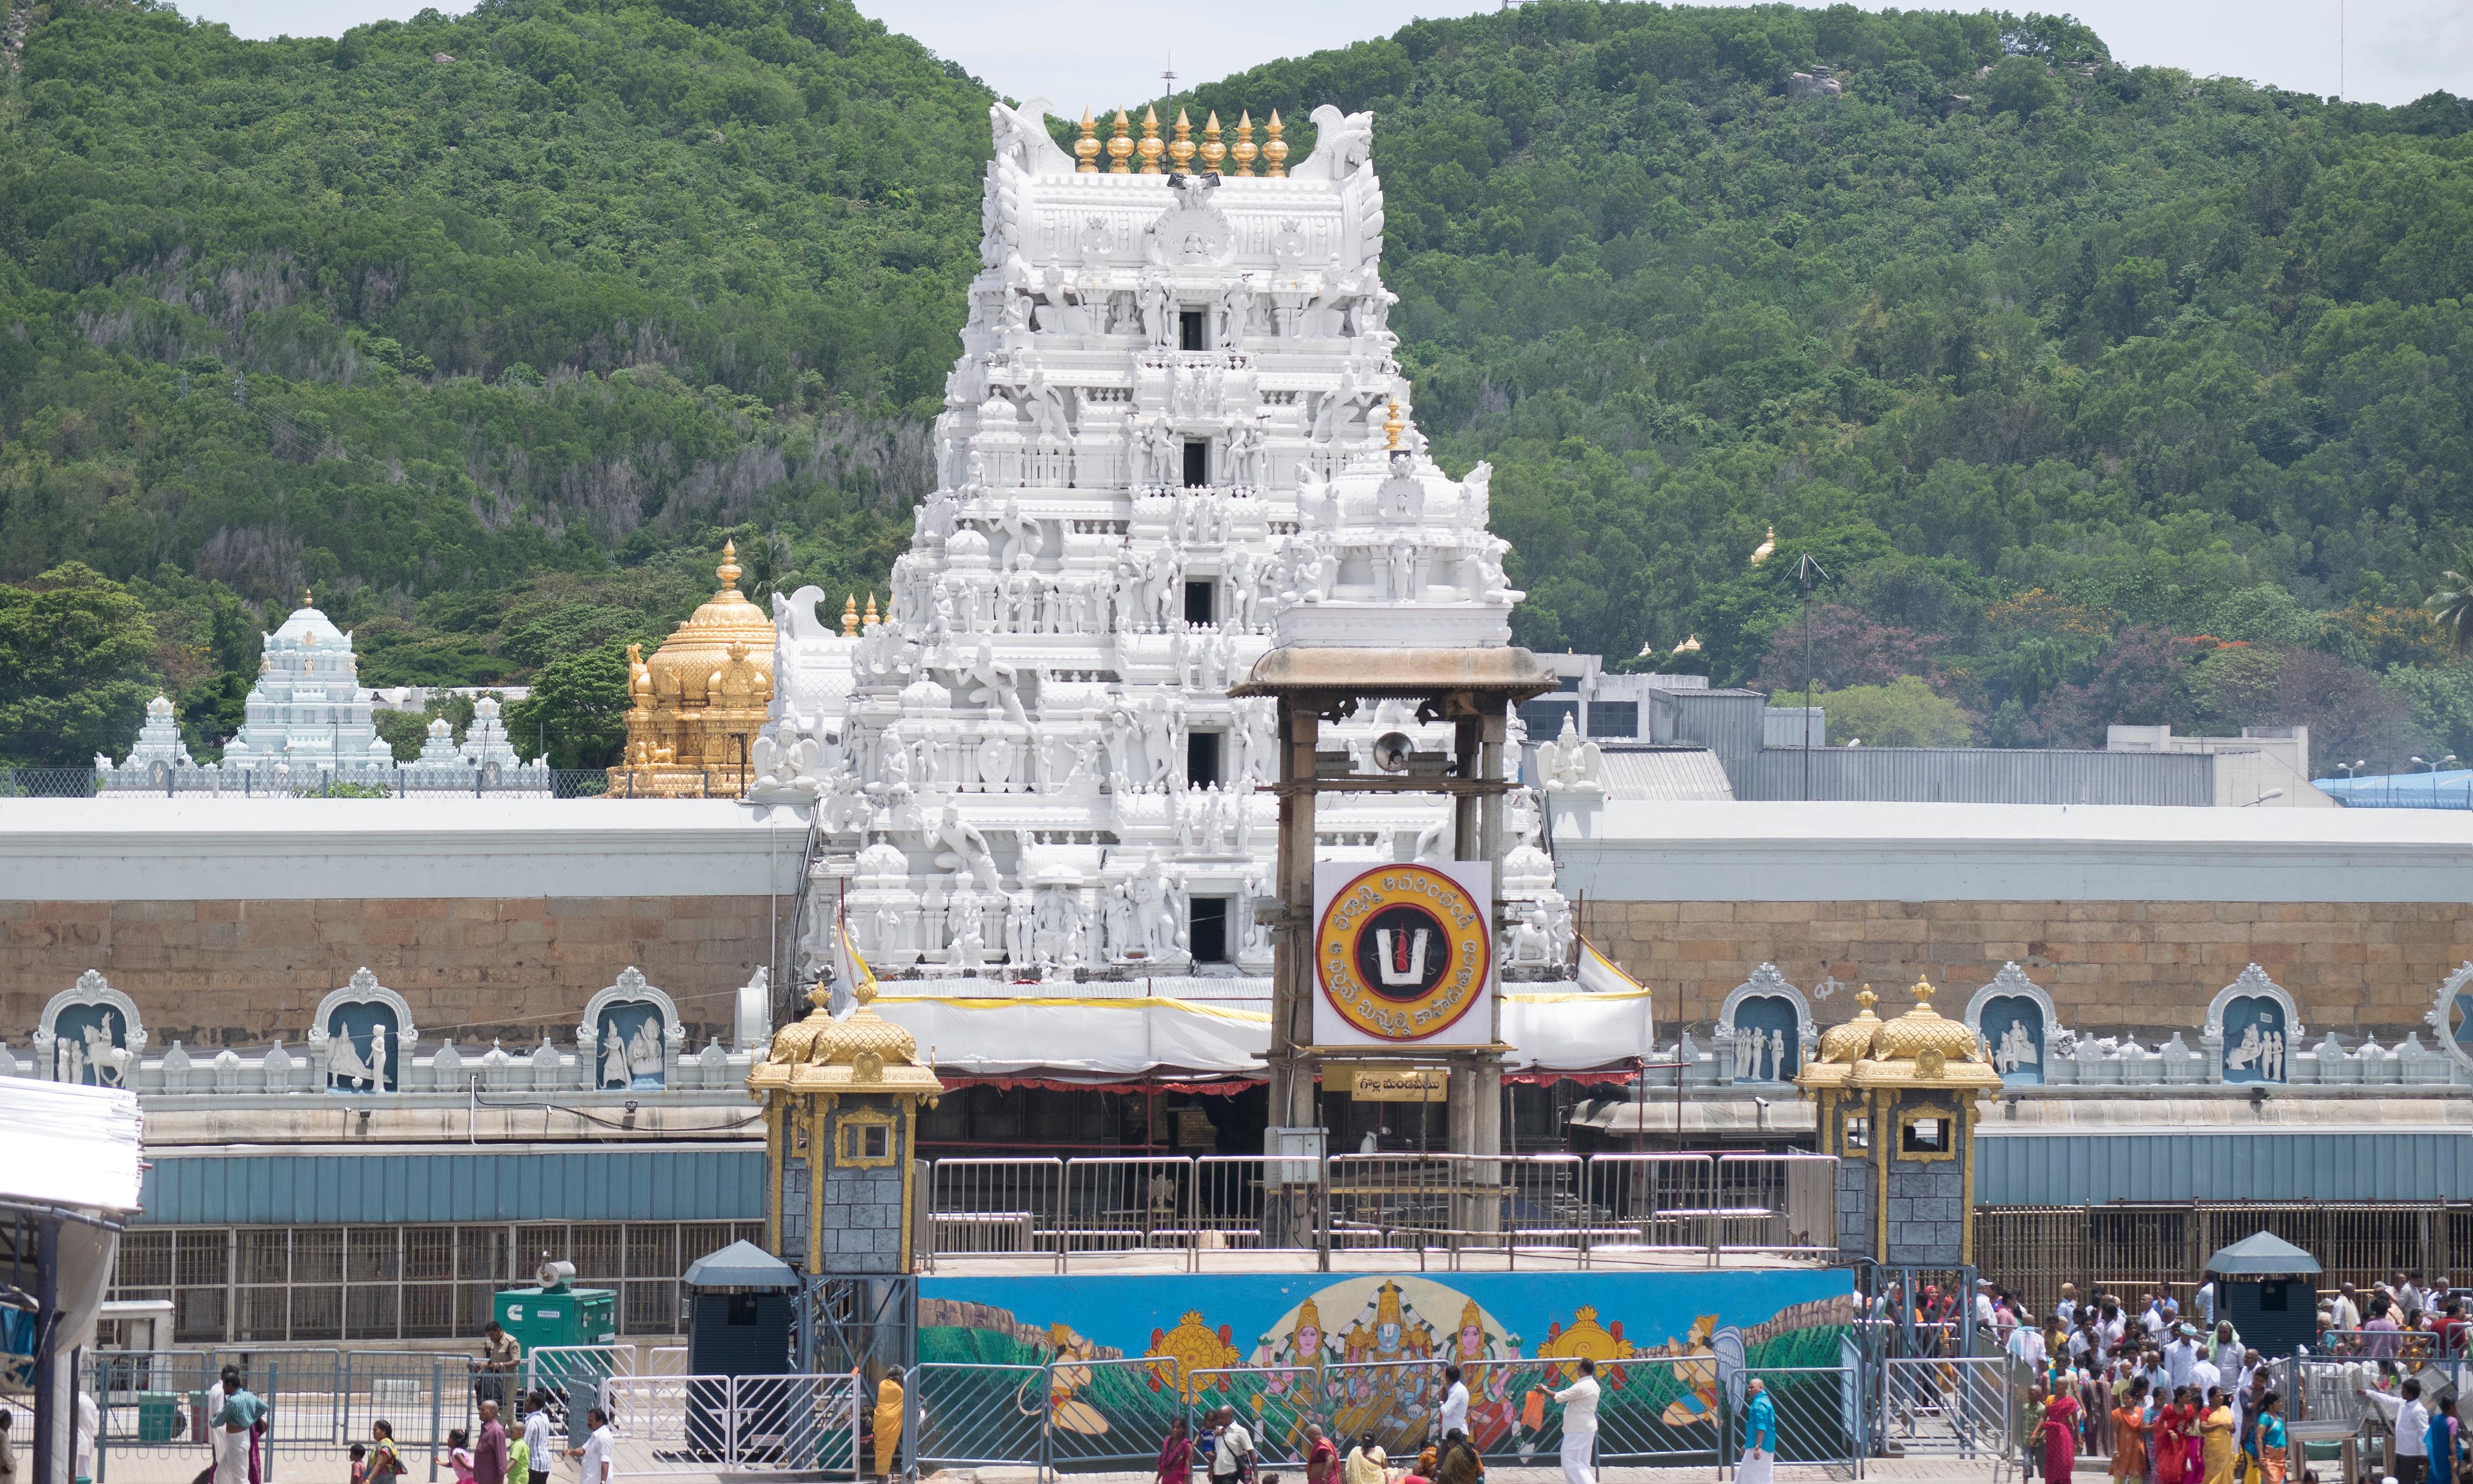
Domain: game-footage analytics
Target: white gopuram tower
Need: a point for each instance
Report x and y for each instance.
(1176, 435)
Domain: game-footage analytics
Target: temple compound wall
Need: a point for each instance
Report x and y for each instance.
(2132, 920)
(228, 921)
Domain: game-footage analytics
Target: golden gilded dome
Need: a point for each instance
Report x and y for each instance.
(1921, 1030)
(860, 1051)
(1852, 1042)
(727, 630)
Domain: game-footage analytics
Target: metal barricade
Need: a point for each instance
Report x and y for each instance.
(1275, 1402)
(795, 1425)
(666, 1424)
(994, 1206)
(1966, 1405)
(1132, 1204)
(1247, 1202)
(1543, 1203)
(151, 1404)
(1818, 1412)
(1782, 1204)
(423, 1396)
(1393, 1400)
(572, 1376)
(1390, 1201)
(976, 1415)
(665, 1361)
(1109, 1416)
(1662, 1412)
(1649, 1203)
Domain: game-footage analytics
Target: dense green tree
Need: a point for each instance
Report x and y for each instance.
(496, 350)
(1904, 712)
(579, 704)
(75, 667)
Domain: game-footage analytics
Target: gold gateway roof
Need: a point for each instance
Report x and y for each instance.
(1920, 1048)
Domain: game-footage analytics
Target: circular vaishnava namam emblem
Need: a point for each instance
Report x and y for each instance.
(1403, 952)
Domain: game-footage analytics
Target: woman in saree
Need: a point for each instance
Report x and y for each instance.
(2129, 1432)
(2172, 1439)
(2060, 1439)
(2272, 1460)
(2215, 1438)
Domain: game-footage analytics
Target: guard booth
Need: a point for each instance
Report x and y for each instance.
(739, 1307)
(2268, 1288)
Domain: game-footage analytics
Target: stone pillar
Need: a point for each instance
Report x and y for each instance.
(1292, 1077)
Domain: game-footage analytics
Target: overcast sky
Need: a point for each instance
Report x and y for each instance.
(1079, 53)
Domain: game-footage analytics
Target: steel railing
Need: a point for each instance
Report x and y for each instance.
(1608, 1208)
(1072, 1415)
(707, 1425)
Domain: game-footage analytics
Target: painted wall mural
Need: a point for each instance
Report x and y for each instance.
(1361, 1353)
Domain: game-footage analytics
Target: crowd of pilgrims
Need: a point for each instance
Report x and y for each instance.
(2175, 1398)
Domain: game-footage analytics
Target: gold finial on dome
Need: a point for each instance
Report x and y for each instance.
(850, 615)
(1275, 153)
(1087, 148)
(1923, 993)
(1119, 147)
(1213, 151)
(1181, 154)
(727, 571)
(1243, 151)
(871, 620)
(1391, 426)
(1150, 147)
(1867, 998)
(304, 599)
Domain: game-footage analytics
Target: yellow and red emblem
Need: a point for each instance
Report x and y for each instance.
(1402, 951)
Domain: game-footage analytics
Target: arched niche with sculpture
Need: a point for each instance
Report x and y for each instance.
(2452, 1017)
(2253, 1027)
(1766, 1026)
(2020, 1027)
(90, 1033)
(630, 1036)
(362, 1036)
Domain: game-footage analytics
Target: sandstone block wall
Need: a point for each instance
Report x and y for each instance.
(2111, 967)
(247, 974)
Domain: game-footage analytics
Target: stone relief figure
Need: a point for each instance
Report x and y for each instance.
(1018, 929)
(1235, 312)
(1159, 310)
(961, 848)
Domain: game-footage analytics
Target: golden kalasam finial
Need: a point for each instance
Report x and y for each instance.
(1087, 148)
(850, 614)
(1150, 148)
(1391, 426)
(1213, 152)
(304, 599)
(1275, 154)
(1181, 154)
(727, 571)
(819, 995)
(1119, 147)
(1244, 152)
(1865, 998)
(871, 620)
(1923, 993)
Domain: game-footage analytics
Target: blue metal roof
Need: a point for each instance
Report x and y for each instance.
(2090, 1169)
(319, 1186)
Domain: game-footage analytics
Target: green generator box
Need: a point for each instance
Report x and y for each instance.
(557, 1315)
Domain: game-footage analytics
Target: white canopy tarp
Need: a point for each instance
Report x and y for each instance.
(1097, 1039)
(69, 1146)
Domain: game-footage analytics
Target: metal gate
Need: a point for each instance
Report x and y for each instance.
(1962, 1405)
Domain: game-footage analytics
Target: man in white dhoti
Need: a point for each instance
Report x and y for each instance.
(230, 1429)
(1580, 1424)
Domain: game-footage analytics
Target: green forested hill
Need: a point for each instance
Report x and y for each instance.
(2102, 394)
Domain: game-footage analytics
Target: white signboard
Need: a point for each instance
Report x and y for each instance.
(1403, 955)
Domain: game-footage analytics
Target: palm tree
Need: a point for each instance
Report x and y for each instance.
(2452, 605)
